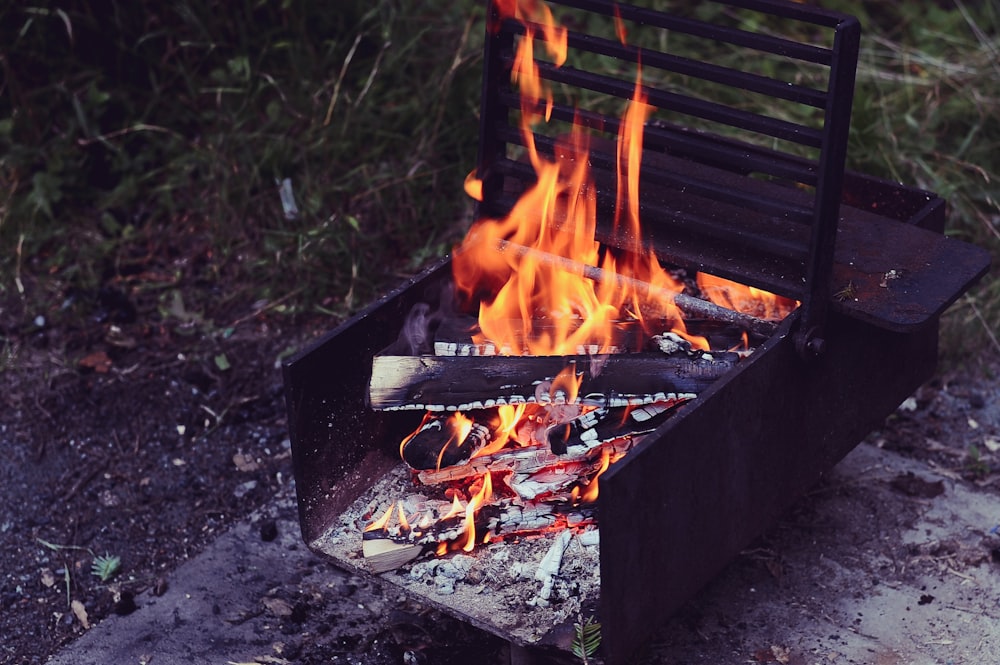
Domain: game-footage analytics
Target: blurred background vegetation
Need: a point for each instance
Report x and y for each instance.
(142, 145)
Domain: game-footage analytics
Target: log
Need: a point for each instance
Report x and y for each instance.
(608, 424)
(689, 304)
(462, 383)
(388, 548)
(384, 554)
(437, 444)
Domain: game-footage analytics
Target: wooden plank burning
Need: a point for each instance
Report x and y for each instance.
(396, 544)
(461, 383)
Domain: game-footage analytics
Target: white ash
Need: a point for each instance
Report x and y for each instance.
(494, 586)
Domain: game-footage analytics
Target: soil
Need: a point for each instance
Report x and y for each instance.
(146, 437)
(128, 434)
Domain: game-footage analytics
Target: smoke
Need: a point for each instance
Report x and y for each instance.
(427, 323)
(417, 330)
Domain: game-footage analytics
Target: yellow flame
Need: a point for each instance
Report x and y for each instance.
(381, 522)
(483, 496)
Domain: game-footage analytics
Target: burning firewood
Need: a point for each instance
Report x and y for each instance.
(460, 383)
(521, 464)
(608, 424)
(443, 442)
(691, 305)
(391, 544)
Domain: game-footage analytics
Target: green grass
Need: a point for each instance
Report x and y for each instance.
(134, 136)
(141, 147)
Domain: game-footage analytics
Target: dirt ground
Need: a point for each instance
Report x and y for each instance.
(129, 436)
(125, 436)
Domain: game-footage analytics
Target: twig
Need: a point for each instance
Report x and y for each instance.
(986, 326)
(264, 308)
(371, 75)
(17, 266)
(140, 127)
(340, 80)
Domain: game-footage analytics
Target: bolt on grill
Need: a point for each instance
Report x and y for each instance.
(761, 199)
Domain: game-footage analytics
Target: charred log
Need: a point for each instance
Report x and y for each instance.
(463, 383)
(607, 424)
(443, 442)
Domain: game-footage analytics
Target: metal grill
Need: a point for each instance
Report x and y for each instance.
(756, 198)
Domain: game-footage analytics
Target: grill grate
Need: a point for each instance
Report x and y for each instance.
(744, 184)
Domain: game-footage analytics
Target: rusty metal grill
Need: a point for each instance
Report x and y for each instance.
(760, 199)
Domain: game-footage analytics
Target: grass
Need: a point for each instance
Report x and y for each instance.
(141, 146)
(134, 135)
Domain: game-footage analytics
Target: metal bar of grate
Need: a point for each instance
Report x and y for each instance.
(673, 139)
(685, 66)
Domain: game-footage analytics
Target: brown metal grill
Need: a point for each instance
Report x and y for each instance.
(754, 198)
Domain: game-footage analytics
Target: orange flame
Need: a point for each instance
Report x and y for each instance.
(510, 416)
(383, 521)
(567, 383)
(746, 299)
(482, 497)
(590, 492)
(404, 524)
(456, 508)
(619, 25)
(533, 265)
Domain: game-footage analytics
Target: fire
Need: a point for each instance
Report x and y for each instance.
(458, 425)
(746, 299)
(510, 416)
(383, 521)
(482, 497)
(529, 270)
(591, 490)
(544, 285)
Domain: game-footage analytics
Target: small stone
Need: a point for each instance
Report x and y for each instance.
(278, 607)
(244, 488)
(48, 578)
(81, 613)
(126, 604)
(268, 530)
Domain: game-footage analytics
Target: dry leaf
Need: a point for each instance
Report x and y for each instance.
(781, 654)
(48, 577)
(278, 607)
(992, 443)
(97, 361)
(81, 613)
